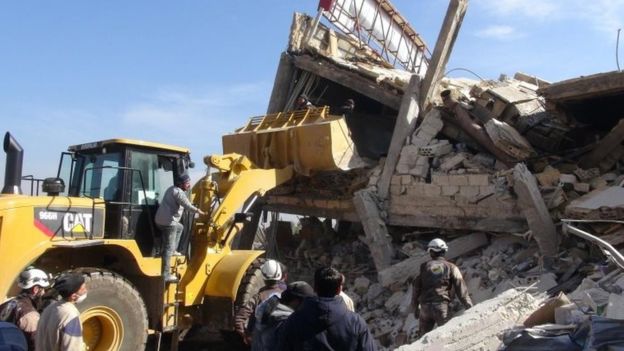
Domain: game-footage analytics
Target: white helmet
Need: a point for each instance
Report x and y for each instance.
(31, 277)
(271, 270)
(437, 245)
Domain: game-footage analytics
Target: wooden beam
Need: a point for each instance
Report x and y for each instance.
(405, 123)
(410, 268)
(604, 147)
(376, 233)
(585, 87)
(442, 51)
(348, 79)
(535, 211)
(281, 85)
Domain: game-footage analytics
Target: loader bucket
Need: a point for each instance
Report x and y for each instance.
(310, 140)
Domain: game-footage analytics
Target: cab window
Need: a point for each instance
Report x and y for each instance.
(151, 172)
(102, 176)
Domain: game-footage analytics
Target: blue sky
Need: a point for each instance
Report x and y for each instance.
(185, 72)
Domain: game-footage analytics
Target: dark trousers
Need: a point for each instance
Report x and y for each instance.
(432, 314)
(170, 240)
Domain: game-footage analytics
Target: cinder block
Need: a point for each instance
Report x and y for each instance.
(452, 162)
(440, 179)
(469, 191)
(478, 179)
(395, 180)
(450, 190)
(432, 190)
(406, 179)
(460, 180)
(434, 150)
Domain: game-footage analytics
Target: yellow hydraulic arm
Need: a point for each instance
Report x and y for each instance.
(221, 195)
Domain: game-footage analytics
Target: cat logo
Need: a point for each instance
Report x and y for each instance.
(77, 222)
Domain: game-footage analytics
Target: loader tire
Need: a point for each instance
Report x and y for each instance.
(113, 315)
(251, 283)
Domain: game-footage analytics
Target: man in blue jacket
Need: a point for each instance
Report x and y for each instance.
(324, 322)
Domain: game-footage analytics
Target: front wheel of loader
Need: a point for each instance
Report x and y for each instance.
(113, 315)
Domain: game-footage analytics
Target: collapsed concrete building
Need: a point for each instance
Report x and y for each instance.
(511, 171)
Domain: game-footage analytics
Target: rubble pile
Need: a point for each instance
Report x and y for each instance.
(504, 264)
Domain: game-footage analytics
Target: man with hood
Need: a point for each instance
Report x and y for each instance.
(59, 327)
(273, 312)
(324, 322)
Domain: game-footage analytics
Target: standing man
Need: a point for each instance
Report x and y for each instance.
(167, 219)
(23, 310)
(275, 276)
(59, 327)
(324, 322)
(434, 287)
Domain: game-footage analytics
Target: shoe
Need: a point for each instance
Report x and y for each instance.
(177, 253)
(171, 279)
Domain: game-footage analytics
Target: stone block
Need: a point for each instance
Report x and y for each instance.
(450, 190)
(478, 179)
(432, 190)
(395, 180)
(416, 190)
(420, 170)
(395, 189)
(581, 187)
(469, 191)
(406, 179)
(459, 180)
(567, 178)
(440, 179)
(452, 162)
(487, 189)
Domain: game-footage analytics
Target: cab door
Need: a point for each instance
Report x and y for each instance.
(152, 174)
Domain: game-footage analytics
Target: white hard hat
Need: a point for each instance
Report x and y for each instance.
(437, 245)
(271, 270)
(31, 277)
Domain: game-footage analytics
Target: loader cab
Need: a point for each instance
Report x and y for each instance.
(130, 177)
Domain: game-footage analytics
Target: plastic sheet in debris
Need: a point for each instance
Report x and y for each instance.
(539, 339)
(598, 333)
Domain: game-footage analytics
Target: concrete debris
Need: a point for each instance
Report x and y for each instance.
(490, 166)
(478, 328)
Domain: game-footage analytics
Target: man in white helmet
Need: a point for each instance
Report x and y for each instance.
(274, 275)
(434, 288)
(23, 310)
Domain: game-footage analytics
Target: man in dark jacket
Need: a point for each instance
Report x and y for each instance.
(434, 288)
(273, 312)
(324, 322)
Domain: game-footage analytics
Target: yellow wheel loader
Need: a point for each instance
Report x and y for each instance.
(98, 218)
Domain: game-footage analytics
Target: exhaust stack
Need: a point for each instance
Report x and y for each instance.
(13, 171)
